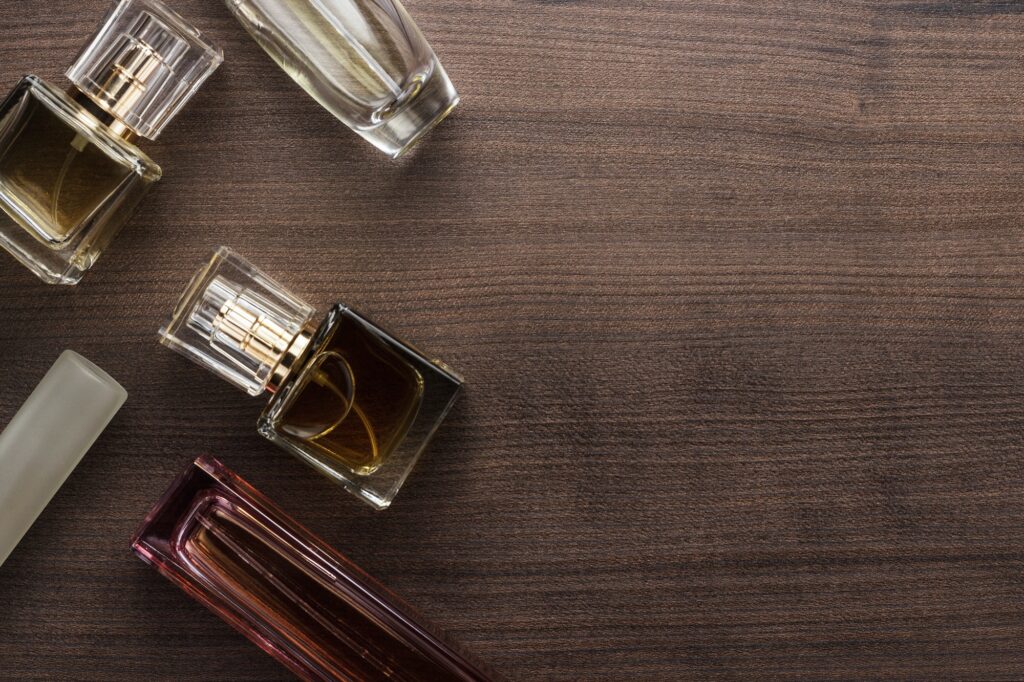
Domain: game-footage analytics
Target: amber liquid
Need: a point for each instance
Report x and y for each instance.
(55, 175)
(354, 399)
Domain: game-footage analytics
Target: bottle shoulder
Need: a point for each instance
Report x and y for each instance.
(342, 318)
(86, 123)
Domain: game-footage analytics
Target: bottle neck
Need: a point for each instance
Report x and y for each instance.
(116, 126)
(291, 359)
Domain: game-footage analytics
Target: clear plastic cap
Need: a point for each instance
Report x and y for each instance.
(143, 64)
(237, 322)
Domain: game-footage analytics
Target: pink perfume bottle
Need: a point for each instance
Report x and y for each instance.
(231, 548)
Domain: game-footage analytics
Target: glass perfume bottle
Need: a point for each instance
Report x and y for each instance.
(349, 399)
(365, 61)
(317, 613)
(70, 173)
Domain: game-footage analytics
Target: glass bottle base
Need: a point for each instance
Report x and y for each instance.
(425, 103)
(51, 270)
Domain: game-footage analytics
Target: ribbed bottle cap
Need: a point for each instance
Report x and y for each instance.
(365, 62)
(143, 64)
(236, 321)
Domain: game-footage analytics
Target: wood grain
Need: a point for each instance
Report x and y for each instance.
(739, 293)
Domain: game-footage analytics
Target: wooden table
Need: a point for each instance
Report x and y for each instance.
(739, 294)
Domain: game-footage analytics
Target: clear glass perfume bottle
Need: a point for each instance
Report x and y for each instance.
(365, 61)
(349, 399)
(320, 615)
(70, 173)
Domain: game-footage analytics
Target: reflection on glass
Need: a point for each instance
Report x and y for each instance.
(228, 546)
(365, 61)
(348, 398)
(70, 173)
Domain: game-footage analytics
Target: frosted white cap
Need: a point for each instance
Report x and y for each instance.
(48, 436)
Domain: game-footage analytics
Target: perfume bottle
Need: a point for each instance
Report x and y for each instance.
(70, 173)
(348, 398)
(365, 61)
(317, 613)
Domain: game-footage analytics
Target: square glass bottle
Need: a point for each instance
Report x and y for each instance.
(348, 398)
(70, 173)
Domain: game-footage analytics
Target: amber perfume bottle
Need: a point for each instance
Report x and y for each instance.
(320, 615)
(70, 173)
(349, 399)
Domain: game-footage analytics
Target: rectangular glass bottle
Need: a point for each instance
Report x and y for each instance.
(70, 173)
(320, 615)
(348, 398)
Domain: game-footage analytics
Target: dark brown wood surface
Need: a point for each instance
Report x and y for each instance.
(738, 290)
